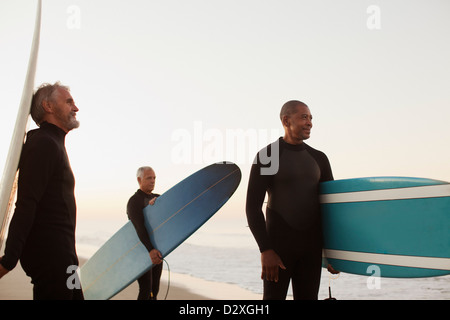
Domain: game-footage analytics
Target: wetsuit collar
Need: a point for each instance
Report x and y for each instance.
(293, 147)
(144, 193)
(54, 128)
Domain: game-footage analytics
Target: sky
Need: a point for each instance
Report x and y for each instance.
(180, 84)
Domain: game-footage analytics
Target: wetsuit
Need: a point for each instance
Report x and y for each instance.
(42, 230)
(149, 281)
(292, 227)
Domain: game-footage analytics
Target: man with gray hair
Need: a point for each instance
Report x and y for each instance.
(149, 281)
(42, 230)
(44, 106)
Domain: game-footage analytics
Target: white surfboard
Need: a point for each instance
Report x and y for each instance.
(7, 184)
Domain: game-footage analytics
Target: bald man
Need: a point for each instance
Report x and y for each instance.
(290, 235)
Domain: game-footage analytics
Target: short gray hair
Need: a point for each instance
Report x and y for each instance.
(44, 93)
(141, 170)
(290, 107)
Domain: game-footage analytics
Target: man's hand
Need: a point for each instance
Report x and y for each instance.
(152, 201)
(270, 262)
(3, 270)
(156, 256)
(332, 270)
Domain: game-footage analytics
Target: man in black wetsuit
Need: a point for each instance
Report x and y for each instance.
(42, 230)
(290, 237)
(149, 281)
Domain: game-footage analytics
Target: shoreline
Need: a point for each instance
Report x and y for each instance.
(16, 286)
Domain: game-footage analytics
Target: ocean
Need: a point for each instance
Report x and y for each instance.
(224, 251)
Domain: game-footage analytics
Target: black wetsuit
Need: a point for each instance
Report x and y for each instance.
(149, 281)
(292, 227)
(42, 230)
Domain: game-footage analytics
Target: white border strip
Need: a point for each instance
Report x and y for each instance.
(435, 191)
(390, 259)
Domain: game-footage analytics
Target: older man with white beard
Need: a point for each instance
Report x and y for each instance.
(42, 230)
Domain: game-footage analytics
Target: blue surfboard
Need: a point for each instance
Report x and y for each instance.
(401, 225)
(176, 215)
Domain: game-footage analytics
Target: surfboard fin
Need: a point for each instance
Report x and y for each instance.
(330, 297)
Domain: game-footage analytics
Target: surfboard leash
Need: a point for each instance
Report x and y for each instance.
(168, 278)
(330, 277)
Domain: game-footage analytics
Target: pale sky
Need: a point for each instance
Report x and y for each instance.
(163, 82)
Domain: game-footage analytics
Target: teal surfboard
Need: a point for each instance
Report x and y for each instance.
(401, 225)
(176, 215)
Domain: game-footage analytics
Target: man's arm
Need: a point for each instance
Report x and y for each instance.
(37, 164)
(3, 270)
(256, 192)
(134, 211)
(135, 214)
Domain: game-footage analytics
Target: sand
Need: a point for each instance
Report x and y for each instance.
(16, 286)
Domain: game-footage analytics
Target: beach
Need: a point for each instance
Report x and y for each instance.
(221, 262)
(16, 286)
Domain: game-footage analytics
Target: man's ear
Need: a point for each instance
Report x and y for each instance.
(285, 121)
(48, 106)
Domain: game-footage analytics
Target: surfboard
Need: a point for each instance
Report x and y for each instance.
(400, 225)
(176, 215)
(8, 185)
